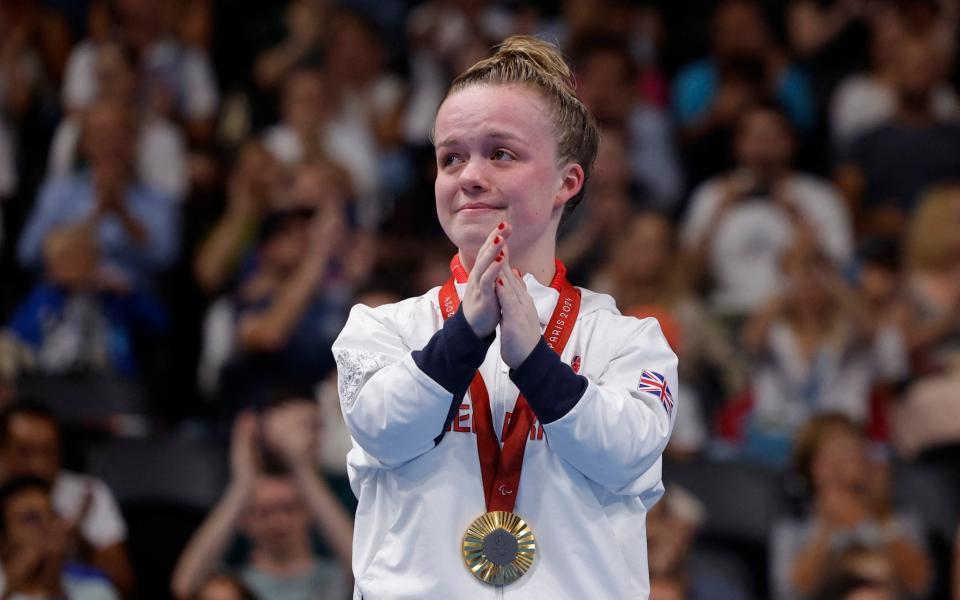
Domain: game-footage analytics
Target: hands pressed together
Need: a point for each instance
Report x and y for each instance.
(497, 295)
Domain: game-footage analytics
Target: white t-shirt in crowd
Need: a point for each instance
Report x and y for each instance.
(789, 389)
(862, 102)
(104, 525)
(750, 238)
(186, 73)
(161, 154)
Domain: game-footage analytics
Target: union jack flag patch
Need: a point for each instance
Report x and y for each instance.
(656, 384)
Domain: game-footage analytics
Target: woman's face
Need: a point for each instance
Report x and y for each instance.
(840, 460)
(497, 161)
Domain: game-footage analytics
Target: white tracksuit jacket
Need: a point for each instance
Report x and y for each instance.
(590, 472)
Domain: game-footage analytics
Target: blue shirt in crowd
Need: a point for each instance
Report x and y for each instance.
(70, 200)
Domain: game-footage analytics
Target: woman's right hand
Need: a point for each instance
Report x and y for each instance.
(480, 305)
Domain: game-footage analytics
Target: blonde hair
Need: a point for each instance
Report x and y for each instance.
(928, 243)
(530, 61)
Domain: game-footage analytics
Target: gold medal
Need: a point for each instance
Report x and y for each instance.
(498, 547)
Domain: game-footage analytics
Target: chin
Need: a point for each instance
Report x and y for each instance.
(469, 236)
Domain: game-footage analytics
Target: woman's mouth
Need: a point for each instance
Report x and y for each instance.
(477, 207)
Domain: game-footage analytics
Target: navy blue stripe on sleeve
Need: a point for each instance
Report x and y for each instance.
(452, 357)
(551, 388)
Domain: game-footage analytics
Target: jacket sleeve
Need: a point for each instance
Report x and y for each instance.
(397, 400)
(607, 426)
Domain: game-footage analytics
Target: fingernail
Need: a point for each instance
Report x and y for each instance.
(500, 281)
(496, 239)
(501, 226)
(499, 258)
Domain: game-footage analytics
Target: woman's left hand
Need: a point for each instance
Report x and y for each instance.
(519, 322)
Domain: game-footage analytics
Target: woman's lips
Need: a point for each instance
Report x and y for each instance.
(477, 206)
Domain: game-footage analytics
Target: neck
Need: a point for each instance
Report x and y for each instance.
(289, 561)
(539, 264)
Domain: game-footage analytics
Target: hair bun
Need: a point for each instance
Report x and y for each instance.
(546, 58)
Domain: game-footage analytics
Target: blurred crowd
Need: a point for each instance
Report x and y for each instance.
(193, 193)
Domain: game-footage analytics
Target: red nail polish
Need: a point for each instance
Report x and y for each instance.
(501, 226)
(499, 258)
(496, 239)
(500, 281)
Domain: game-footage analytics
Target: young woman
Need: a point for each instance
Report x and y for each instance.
(507, 426)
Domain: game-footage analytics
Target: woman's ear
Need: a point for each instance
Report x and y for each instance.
(572, 179)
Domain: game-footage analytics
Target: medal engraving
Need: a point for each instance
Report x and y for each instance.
(499, 547)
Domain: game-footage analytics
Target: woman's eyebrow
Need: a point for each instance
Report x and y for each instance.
(497, 135)
(448, 142)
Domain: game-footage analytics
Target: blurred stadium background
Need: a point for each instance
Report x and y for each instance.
(194, 192)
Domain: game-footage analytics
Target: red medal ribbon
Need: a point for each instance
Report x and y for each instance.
(501, 468)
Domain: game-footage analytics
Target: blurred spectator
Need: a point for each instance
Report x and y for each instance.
(192, 22)
(867, 100)
(304, 107)
(588, 237)
(30, 446)
(258, 187)
(930, 320)
(443, 39)
(672, 526)
(178, 80)
(887, 168)
(606, 80)
(853, 587)
(364, 132)
(739, 223)
(815, 348)
(76, 321)
(33, 548)
(275, 512)
(255, 186)
(36, 42)
(349, 112)
(933, 280)
(222, 586)
(745, 65)
(161, 157)
(850, 510)
(335, 441)
(829, 40)
(277, 327)
(646, 277)
(307, 24)
(879, 276)
(137, 229)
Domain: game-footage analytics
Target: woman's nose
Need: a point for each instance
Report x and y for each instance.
(473, 177)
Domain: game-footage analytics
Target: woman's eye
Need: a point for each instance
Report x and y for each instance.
(448, 160)
(501, 155)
